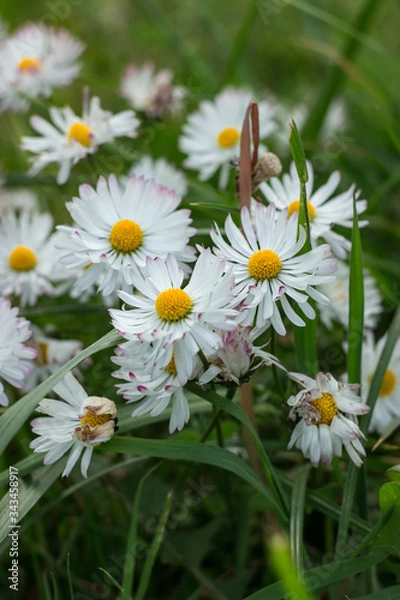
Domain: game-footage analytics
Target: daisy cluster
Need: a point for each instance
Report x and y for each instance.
(187, 311)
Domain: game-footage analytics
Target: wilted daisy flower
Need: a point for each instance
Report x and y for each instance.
(237, 358)
(387, 406)
(338, 294)
(76, 425)
(211, 136)
(267, 267)
(324, 210)
(72, 138)
(151, 92)
(328, 413)
(28, 260)
(12, 200)
(178, 320)
(116, 230)
(154, 391)
(14, 354)
(34, 60)
(162, 172)
(51, 355)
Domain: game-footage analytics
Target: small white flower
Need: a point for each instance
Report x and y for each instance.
(51, 355)
(151, 92)
(34, 60)
(237, 358)
(211, 136)
(328, 413)
(338, 294)
(176, 319)
(162, 172)
(78, 424)
(268, 269)
(14, 355)
(324, 211)
(28, 259)
(72, 138)
(387, 406)
(153, 390)
(116, 230)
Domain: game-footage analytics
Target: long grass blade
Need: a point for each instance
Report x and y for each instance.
(297, 517)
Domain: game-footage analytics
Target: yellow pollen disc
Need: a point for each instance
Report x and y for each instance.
(22, 259)
(126, 236)
(173, 304)
(295, 205)
(171, 367)
(327, 408)
(81, 133)
(94, 420)
(264, 264)
(228, 137)
(388, 383)
(43, 353)
(29, 64)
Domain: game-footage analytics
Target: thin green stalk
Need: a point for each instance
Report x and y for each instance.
(336, 76)
(297, 517)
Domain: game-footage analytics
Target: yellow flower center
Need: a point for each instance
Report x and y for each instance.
(388, 383)
(126, 236)
(22, 259)
(80, 132)
(264, 264)
(171, 367)
(28, 63)
(295, 205)
(43, 357)
(93, 420)
(326, 406)
(228, 137)
(173, 304)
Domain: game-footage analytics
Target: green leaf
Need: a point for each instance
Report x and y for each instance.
(200, 453)
(321, 577)
(238, 413)
(19, 412)
(297, 150)
(154, 548)
(281, 562)
(389, 593)
(394, 473)
(297, 516)
(389, 498)
(356, 303)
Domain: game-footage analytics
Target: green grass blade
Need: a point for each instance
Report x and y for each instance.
(305, 337)
(19, 412)
(283, 566)
(297, 517)
(69, 577)
(321, 577)
(238, 413)
(375, 531)
(389, 593)
(130, 554)
(356, 304)
(191, 451)
(154, 548)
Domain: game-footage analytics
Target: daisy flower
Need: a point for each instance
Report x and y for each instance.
(34, 60)
(28, 259)
(338, 294)
(154, 392)
(328, 413)
(71, 138)
(268, 269)
(324, 210)
(211, 136)
(237, 358)
(162, 172)
(51, 355)
(14, 354)
(176, 319)
(387, 406)
(151, 92)
(116, 229)
(77, 425)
